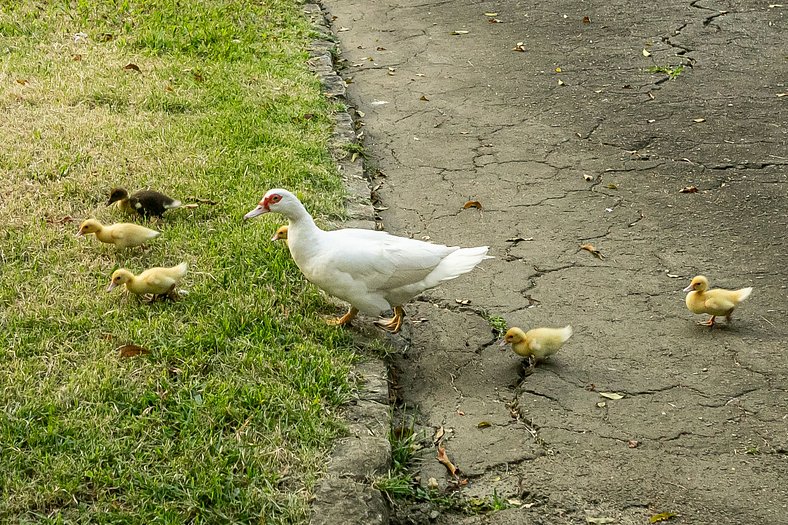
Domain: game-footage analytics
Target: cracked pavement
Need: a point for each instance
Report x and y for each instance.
(571, 141)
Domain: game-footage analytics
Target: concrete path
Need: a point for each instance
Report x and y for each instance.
(547, 115)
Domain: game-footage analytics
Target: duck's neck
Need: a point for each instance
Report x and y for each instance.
(303, 235)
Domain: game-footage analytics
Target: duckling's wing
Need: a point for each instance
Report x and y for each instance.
(157, 278)
(719, 302)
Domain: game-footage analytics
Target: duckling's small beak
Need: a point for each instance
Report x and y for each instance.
(111, 286)
(687, 289)
(78, 234)
(259, 210)
(502, 342)
(275, 237)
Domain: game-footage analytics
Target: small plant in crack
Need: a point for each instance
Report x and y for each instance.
(355, 150)
(671, 71)
(497, 323)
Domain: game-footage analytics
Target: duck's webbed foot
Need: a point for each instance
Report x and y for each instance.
(394, 324)
(709, 323)
(345, 319)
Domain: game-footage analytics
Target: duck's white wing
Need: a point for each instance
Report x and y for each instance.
(382, 261)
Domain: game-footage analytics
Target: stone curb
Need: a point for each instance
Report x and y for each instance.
(346, 494)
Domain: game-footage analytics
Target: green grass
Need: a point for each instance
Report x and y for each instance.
(672, 72)
(229, 417)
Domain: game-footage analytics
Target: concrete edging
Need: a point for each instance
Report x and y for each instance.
(346, 494)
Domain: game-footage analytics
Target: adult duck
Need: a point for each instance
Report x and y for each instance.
(371, 270)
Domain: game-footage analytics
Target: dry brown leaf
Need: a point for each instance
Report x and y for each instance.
(611, 395)
(689, 189)
(699, 120)
(586, 20)
(590, 248)
(76, 57)
(131, 351)
(519, 46)
(21, 81)
(132, 67)
(380, 48)
(633, 443)
(460, 413)
(612, 186)
(484, 424)
(438, 435)
(662, 516)
(444, 460)
(424, 98)
(472, 204)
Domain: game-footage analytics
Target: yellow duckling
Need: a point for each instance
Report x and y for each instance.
(122, 235)
(701, 300)
(160, 282)
(537, 344)
(281, 234)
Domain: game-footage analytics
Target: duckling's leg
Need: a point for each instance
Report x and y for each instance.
(394, 324)
(708, 323)
(345, 319)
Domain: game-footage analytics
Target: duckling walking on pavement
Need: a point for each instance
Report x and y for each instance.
(715, 302)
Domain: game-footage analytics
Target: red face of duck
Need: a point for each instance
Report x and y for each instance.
(264, 206)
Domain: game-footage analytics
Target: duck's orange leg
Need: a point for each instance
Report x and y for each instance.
(708, 323)
(345, 319)
(394, 324)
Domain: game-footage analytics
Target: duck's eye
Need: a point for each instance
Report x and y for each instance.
(276, 198)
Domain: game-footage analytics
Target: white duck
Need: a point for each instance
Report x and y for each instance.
(372, 270)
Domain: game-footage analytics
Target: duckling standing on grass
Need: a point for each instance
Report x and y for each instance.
(716, 302)
(145, 202)
(122, 235)
(281, 234)
(537, 344)
(158, 282)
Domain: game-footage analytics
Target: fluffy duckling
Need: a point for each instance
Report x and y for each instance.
(537, 344)
(146, 202)
(716, 302)
(281, 234)
(122, 235)
(160, 282)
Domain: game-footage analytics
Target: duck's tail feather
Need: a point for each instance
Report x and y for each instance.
(459, 262)
(566, 333)
(743, 294)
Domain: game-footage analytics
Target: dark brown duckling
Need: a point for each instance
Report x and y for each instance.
(145, 202)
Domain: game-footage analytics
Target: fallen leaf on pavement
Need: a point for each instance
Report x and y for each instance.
(689, 189)
(494, 20)
(611, 395)
(484, 424)
(444, 460)
(460, 413)
(132, 67)
(590, 248)
(472, 204)
(424, 98)
(490, 14)
(380, 48)
(560, 82)
(601, 404)
(612, 186)
(601, 521)
(519, 46)
(633, 443)
(662, 516)
(646, 53)
(586, 20)
(699, 120)
(438, 435)
(131, 351)
(460, 32)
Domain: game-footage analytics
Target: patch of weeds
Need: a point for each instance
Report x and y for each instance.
(497, 323)
(404, 491)
(355, 149)
(671, 71)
